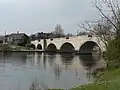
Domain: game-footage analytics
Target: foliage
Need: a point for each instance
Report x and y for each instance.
(5, 47)
(25, 41)
(33, 37)
(112, 55)
(30, 46)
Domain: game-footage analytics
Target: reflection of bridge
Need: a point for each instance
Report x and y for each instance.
(81, 44)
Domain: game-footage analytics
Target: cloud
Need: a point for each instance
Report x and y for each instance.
(32, 16)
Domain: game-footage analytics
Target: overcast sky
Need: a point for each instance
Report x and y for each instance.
(31, 16)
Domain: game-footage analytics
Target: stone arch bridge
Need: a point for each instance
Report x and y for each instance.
(81, 44)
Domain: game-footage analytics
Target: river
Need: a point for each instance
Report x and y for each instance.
(19, 70)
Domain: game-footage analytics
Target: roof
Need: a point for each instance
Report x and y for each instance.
(17, 35)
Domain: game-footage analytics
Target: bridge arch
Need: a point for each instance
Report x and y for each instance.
(88, 47)
(51, 47)
(32, 46)
(67, 47)
(39, 46)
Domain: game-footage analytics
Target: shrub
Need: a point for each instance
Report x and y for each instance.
(5, 47)
(112, 55)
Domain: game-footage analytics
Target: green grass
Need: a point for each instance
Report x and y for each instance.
(110, 80)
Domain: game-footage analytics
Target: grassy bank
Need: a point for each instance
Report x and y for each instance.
(110, 80)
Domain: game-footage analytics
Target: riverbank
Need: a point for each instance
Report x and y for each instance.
(110, 80)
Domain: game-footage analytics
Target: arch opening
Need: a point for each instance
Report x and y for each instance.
(39, 46)
(67, 47)
(89, 47)
(51, 48)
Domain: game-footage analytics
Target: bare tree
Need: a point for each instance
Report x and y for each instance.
(102, 29)
(82, 33)
(111, 14)
(109, 25)
(58, 30)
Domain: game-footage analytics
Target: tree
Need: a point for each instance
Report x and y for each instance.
(109, 25)
(102, 29)
(33, 37)
(112, 55)
(107, 29)
(112, 14)
(25, 40)
(69, 35)
(5, 47)
(82, 33)
(59, 32)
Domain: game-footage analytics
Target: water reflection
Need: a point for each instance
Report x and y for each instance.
(87, 60)
(51, 70)
(67, 59)
(52, 57)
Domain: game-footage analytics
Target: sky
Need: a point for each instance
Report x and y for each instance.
(32, 16)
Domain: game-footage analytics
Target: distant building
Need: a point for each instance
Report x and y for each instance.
(15, 38)
(42, 35)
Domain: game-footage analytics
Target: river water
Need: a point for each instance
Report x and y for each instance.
(18, 71)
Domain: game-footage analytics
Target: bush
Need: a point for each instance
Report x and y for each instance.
(112, 55)
(5, 47)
